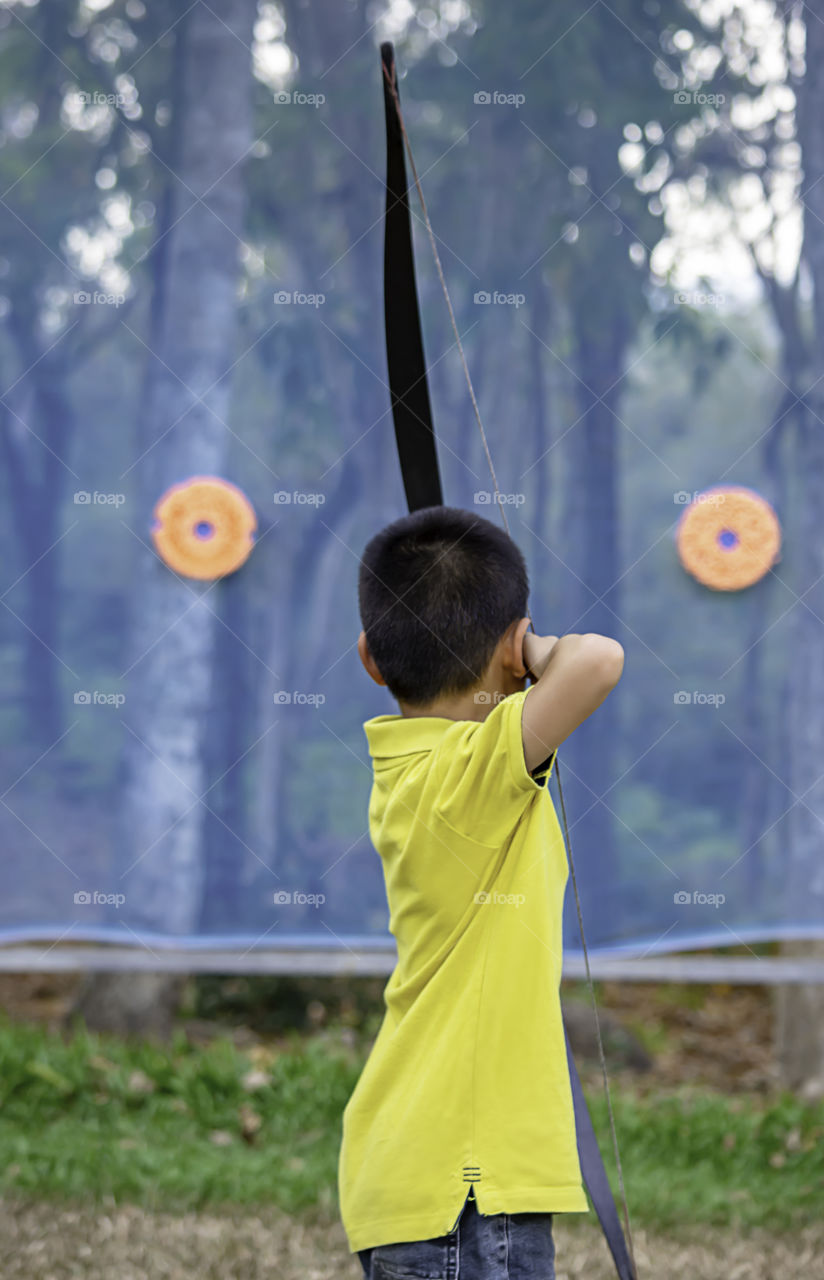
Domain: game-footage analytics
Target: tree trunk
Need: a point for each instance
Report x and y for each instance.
(538, 335)
(590, 552)
(37, 464)
(129, 1004)
(173, 627)
(800, 1010)
(228, 759)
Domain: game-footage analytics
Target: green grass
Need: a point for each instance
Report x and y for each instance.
(92, 1117)
(703, 1158)
(77, 1121)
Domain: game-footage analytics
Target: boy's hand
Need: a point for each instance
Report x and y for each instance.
(536, 651)
(578, 674)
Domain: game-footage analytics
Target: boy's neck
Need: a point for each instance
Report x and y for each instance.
(475, 704)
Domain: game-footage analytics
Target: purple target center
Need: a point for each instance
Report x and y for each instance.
(204, 529)
(727, 539)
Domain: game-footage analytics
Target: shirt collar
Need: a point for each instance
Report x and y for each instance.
(397, 735)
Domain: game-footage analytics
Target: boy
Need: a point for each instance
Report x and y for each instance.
(459, 1137)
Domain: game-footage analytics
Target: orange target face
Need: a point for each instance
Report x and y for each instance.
(728, 538)
(204, 527)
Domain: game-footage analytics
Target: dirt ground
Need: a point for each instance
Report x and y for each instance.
(39, 1243)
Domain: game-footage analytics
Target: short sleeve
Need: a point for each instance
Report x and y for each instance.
(483, 784)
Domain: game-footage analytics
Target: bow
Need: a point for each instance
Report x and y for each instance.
(417, 452)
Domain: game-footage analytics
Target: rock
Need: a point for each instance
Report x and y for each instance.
(621, 1047)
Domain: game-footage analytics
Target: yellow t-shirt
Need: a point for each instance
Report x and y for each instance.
(467, 1081)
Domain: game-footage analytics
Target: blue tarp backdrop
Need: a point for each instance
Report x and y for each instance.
(285, 850)
(161, 787)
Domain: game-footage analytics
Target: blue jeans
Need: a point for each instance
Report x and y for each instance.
(500, 1246)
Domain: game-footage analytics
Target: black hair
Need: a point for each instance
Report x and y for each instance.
(437, 589)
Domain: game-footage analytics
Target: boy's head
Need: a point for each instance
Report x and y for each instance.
(438, 590)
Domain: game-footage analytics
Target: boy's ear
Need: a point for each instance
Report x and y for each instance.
(367, 659)
(515, 647)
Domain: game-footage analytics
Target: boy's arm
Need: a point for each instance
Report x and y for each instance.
(573, 679)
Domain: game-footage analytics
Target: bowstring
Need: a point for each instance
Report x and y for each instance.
(500, 505)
